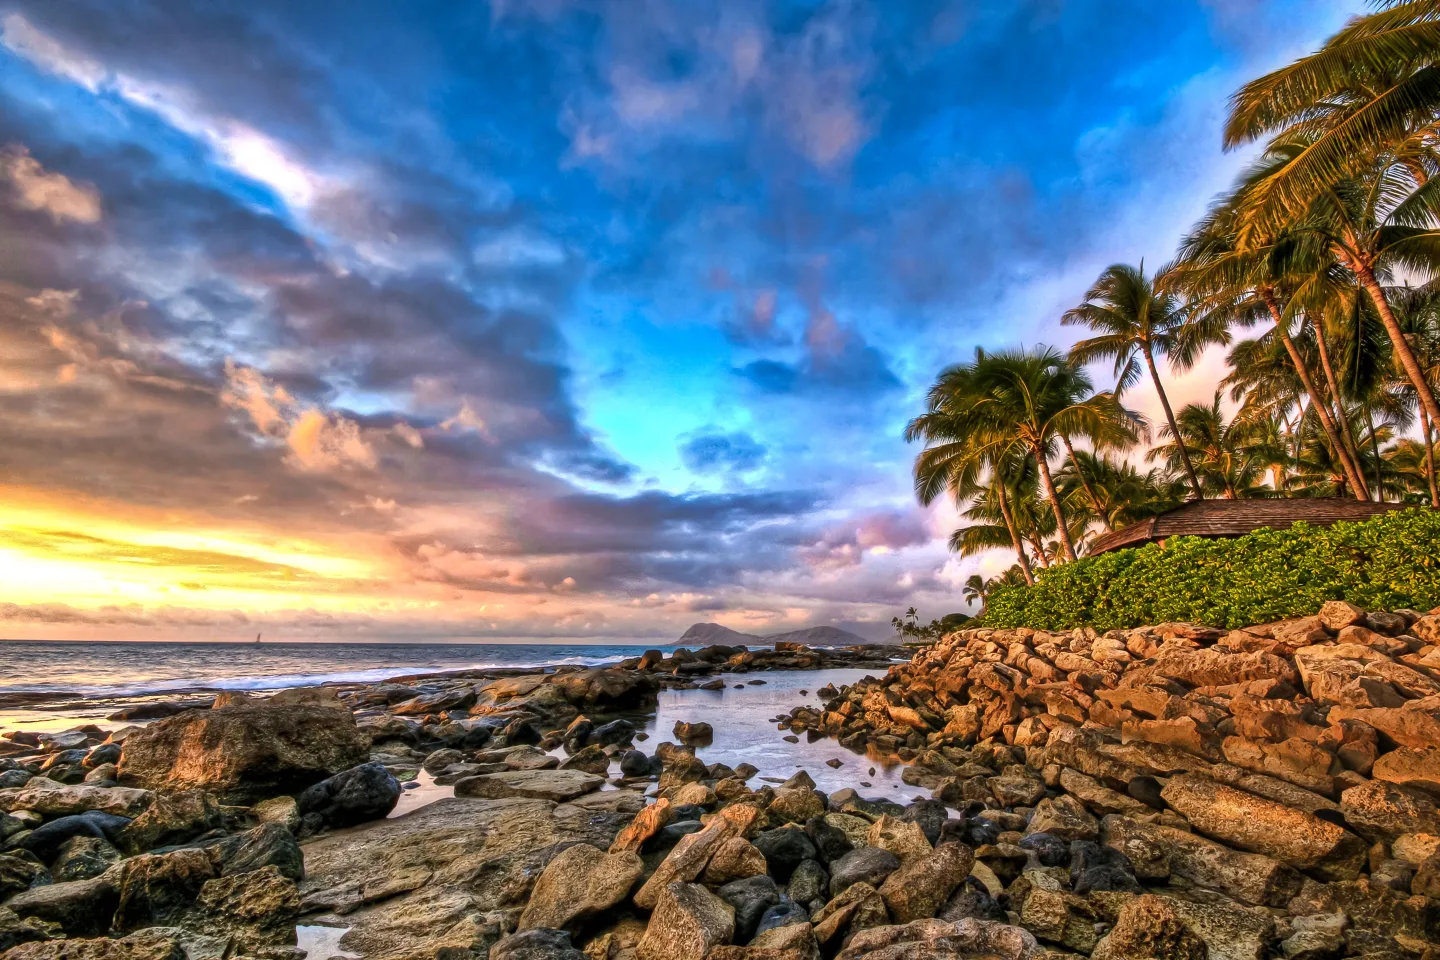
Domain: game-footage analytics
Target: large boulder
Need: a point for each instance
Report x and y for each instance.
(920, 887)
(51, 799)
(156, 944)
(580, 883)
(688, 920)
(366, 792)
(1148, 928)
(245, 752)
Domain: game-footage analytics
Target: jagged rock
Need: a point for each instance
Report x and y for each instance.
(171, 819)
(972, 900)
(687, 921)
(1253, 823)
(591, 759)
(1149, 928)
(646, 824)
(1410, 767)
(81, 858)
(255, 909)
(736, 859)
(244, 753)
(862, 865)
(18, 874)
(268, 845)
(82, 908)
(920, 887)
(1060, 917)
(1381, 810)
(1319, 936)
(698, 732)
(1063, 817)
(784, 849)
(941, 940)
(686, 862)
(860, 907)
(581, 882)
(15, 931)
(903, 838)
(159, 944)
(156, 889)
(796, 805)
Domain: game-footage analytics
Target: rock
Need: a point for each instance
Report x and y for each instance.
(693, 794)
(557, 785)
(18, 874)
(1049, 849)
(686, 862)
(254, 910)
(1380, 810)
(750, 898)
(244, 753)
(1063, 817)
(972, 900)
(693, 732)
(646, 824)
(1018, 786)
(1061, 918)
(921, 886)
(1410, 767)
(1426, 882)
(81, 858)
(687, 921)
(831, 843)
(862, 865)
(903, 838)
(536, 944)
(1230, 931)
(171, 819)
(1337, 614)
(364, 792)
(14, 931)
(1319, 936)
(281, 810)
(941, 940)
(736, 859)
(809, 884)
(580, 883)
(51, 799)
(1253, 823)
(1415, 848)
(158, 888)
(858, 908)
(784, 849)
(591, 759)
(1093, 867)
(45, 840)
(796, 805)
(429, 883)
(268, 845)
(614, 733)
(635, 764)
(144, 945)
(1149, 928)
(82, 908)
(1158, 852)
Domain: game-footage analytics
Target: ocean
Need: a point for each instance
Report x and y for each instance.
(32, 670)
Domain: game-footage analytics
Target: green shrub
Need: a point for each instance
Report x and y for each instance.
(1385, 563)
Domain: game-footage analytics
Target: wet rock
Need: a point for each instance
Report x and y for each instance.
(1149, 928)
(614, 733)
(869, 865)
(591, 759)
(635, 764)
(1253, 823)
(687, 921)
(244, 753)
(750, 898)
(921, 886)
(785, 848)
(557, 785)
(536, 944)
(699, 732)
(362, 793)
(580, 883)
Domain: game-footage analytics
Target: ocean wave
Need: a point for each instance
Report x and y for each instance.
(184, 685)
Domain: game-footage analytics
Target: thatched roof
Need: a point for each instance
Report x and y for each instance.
(1232, 518)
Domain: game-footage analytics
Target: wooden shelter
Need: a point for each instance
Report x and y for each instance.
(1233, 518)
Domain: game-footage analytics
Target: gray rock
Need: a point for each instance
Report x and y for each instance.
(82, 908)
(557, 785)
(862, 865)
(81, 858)
(362, 793)
(750, 899)
(536, 944)
(45, 840)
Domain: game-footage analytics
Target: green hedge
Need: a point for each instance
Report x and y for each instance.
(1385, 563)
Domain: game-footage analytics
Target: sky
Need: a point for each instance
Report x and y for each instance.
(571, 319)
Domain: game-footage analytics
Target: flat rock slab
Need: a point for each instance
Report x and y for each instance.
(557, 785)
(441, 878)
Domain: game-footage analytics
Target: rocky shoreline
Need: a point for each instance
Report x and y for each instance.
(1171, 792)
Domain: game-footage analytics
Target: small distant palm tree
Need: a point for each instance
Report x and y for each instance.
(1137, 322)
(975, 589)
(1220, 449)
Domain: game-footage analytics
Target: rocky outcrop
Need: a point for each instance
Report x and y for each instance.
(245, 752)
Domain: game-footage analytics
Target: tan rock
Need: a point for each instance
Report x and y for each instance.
(1159, 852)
(858, 908)
(1259, 825)
(646, 824)
(736, 859)
(687, 861)
(920, 887)
(687, 921)
(1149, 928)
(1411, 767)
(1380, 810)
(903, 838)
(581, 882)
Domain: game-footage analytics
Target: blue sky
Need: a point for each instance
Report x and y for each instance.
(554, 317)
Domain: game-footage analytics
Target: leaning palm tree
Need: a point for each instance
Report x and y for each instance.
(1010, 398)
(1001, 509)
(1220, 448)
(1136, 321)
(1373, 85)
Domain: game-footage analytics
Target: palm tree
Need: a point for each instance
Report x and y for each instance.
(1244, 282)
(1374, 84)
(1222, 449)
(975, 589)
(1015, 397)
(1136, 320)
(1003, 510)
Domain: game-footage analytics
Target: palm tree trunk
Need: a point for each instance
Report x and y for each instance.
(1049, 483)
(1014, 533)
(1408, 360)
(1429, 459)
(1089, 490)
(1040, 554)
(1375, 450)
(1174, 428)
(1342, 420)
(1322, 410)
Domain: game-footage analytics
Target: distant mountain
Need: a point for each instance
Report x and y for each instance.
(704, 634)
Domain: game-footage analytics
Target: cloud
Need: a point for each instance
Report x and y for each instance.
(712, 452)
(318, 440)
(54, 193)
